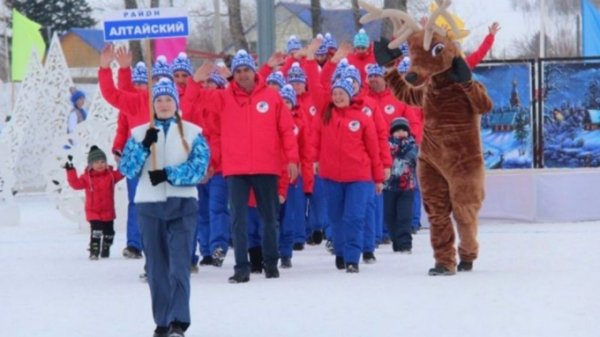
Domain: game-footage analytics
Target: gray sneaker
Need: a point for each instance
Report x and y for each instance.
(218, 256)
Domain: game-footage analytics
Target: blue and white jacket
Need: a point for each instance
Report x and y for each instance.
(184, 171)
(404, 159)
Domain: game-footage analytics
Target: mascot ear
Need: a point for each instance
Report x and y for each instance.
(384, 55)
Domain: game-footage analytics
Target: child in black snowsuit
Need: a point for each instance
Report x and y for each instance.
(398, 193)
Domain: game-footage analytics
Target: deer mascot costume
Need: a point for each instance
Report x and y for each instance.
(450, 164)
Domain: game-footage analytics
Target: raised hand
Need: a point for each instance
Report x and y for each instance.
(276, 59)
(312, 48)
(69, 164)
(106, 56)
(202, 74)
(494, 28)
(123, 57)
(343, 50)
(222, 70)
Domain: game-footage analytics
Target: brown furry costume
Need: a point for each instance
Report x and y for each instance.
(450, 164)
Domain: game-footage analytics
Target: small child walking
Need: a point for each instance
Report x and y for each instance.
(398, 191)
(99, 182)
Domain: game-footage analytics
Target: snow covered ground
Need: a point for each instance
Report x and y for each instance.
(530, 280)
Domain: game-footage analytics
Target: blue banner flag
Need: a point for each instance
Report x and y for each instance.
(590, 18)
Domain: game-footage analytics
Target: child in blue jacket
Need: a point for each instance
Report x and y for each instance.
(398, 191)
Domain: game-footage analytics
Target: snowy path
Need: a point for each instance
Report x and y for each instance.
(530, 280)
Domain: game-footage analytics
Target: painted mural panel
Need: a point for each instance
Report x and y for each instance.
(571, 113)
(506, 131)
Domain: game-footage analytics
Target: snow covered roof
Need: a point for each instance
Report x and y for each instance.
(594, 116)
(339, 22)
(503, 118)
(93, 37)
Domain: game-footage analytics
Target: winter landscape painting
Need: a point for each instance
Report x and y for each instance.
(506, 131)
(571, 113)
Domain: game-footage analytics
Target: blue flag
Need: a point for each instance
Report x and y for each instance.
(590, 19)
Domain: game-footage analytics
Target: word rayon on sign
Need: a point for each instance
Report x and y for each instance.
(141, 13)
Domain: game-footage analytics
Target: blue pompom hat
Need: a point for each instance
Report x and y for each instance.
(361, 39)
(277, 78)
(339, 70)
(182, 63)
(330, 42)
(161, 68)
(353, 73)
(217, 79)
(139, 74)
(288, 92)
(242, 59)
(404, 65)
(76, 95)
(323, 47)
(346, 85)
(165, 87)
(293, 44)
(374, 69)
(296, 74)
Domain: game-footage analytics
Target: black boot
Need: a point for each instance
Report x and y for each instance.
(95, 244)
(107, 241)
(272, 272)
(441, 270)
(339, 262)
(465, 266)
(256, 260)
(317, 237)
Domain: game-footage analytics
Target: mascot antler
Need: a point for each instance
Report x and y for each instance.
(431, 27)
(405, 26)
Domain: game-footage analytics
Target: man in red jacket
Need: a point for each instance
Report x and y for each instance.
(250, 128)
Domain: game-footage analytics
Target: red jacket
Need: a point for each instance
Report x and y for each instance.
(392, 108)
(361, 61)
(126, 120)
(475, 58)
(249, 131)
(347, 148)
(372, 110)
(132, 104)
(99, 192)
(303, 136)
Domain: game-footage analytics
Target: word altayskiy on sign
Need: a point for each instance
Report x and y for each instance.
(137, 24)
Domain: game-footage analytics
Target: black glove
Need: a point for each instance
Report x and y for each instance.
(460, 70)
(117, 153)
(157, 176)
(69, 164)
(150, 138)
(384, 55)
(308, 194)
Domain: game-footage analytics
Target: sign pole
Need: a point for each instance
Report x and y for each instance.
(148, 43)
(146, 24)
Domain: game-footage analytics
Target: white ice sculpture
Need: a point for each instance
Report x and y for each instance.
(19, 127)
(48, 119)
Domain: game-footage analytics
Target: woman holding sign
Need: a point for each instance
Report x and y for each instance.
(166, 199)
